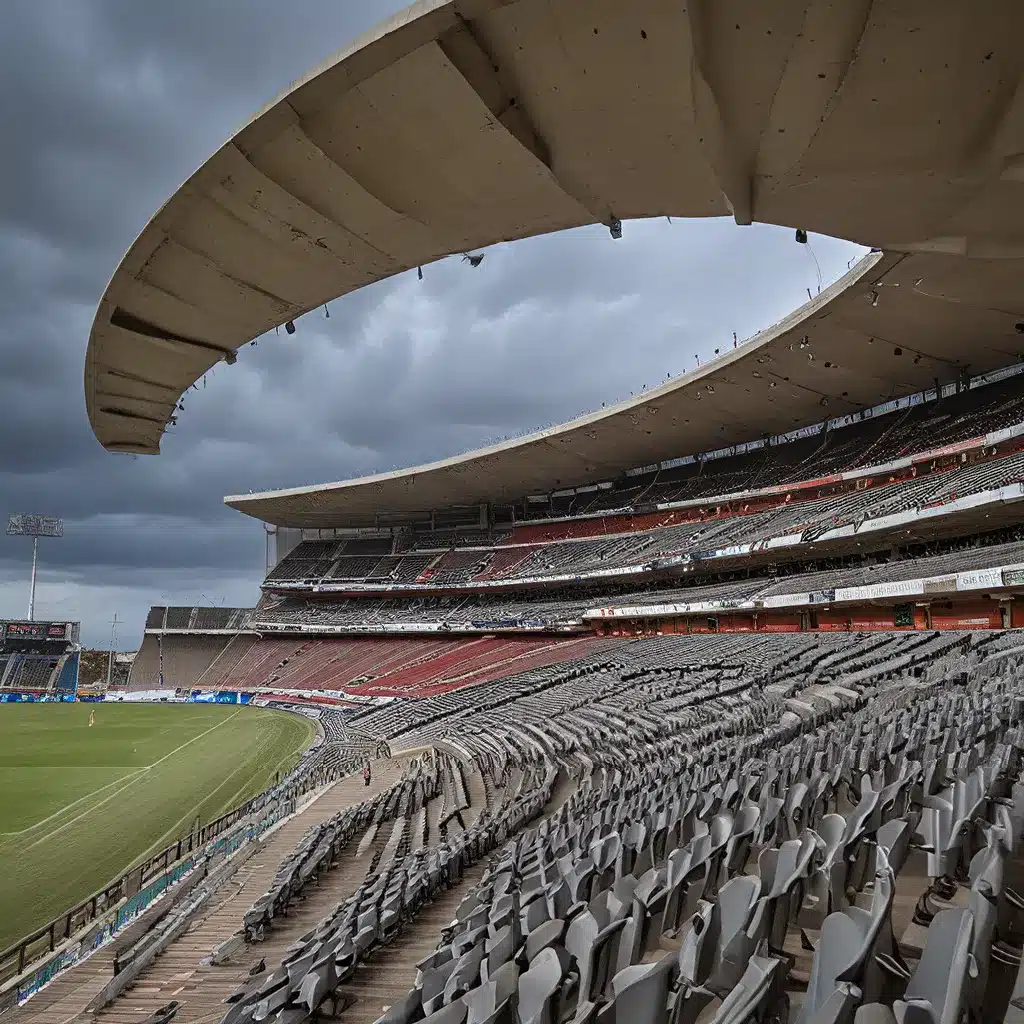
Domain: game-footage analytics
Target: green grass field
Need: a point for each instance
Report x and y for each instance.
(80, 805)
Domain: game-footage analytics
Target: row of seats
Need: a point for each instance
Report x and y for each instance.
(747, 820)
(872, 441)
(677, 535)
(196, 618)
(542, 609)
(728, 852)
(398, 666)
(319, 847)
(398, 884)
(29, 671)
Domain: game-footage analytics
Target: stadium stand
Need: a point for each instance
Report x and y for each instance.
(27, 672)
(389, 667)
(564, 606)
(808, 809)
(872, 440)
(181, 662)
(705, 782)
(181, 645)
(792, 503)
(760, 828)
(716, 563)
(197, 619)
(38, 659)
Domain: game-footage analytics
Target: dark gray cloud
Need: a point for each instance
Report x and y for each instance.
(109, 105)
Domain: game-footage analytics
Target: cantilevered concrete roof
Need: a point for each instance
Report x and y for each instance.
(457, 125)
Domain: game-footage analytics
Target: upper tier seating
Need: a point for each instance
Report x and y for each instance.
(873, 441)
(200, 618)
(807, 520)
(541, 608)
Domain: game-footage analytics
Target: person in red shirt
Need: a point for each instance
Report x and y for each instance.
(366, 774)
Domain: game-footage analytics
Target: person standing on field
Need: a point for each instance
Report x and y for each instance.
(366, 774)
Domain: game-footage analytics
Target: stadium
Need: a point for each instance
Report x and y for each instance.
(705, 707)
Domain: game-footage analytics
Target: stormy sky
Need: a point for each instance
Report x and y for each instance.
(108, 106)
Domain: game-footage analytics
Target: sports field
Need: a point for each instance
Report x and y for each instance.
(80, 804)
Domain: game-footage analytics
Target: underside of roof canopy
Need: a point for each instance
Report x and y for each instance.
(457, 125)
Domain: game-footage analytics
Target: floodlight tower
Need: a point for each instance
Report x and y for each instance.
(34, 527)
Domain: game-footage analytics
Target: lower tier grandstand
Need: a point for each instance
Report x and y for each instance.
(356, 667)
(712, 790)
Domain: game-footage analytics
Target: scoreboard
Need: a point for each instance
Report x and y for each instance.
(39, 632)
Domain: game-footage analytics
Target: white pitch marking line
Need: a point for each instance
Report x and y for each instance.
(135, 778)
(191, 813)
(75, 803)
(231, 803)
(194, 738)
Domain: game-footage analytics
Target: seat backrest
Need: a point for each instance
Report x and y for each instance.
(938, 981)
(580, 937)
(751, 997)
(734, 905)
(435, 979)
(484, 1000)
(831, 830)
(500, 949)
(453, 1013)
(641, 992)
(838, 950)
(894, 839)
(537, 986)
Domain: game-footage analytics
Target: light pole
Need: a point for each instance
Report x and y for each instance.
(34, 527)
(110, 653)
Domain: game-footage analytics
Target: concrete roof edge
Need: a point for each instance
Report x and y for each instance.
(852, 278)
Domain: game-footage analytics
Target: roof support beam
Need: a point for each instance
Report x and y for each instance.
(468, 55)
(127, 414)
(126, 321)
(135, 378)
(735, 173)
(477, 67)
(120, 396)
